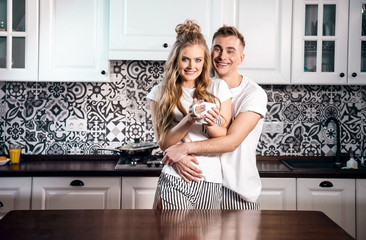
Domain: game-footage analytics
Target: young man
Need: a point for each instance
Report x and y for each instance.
(241, 181)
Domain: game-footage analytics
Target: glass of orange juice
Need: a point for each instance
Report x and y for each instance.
(14, 153)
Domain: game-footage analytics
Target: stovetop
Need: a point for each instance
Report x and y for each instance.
(139, 163)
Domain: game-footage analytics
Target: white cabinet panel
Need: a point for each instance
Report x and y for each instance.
(73, 40)
(145, 30)
(266, 26)
(138, 192)
(278, 194)
(313, 58)
(76, 193)
(357, 43)
(27, 53)
(334, 197)
(15, 194)
(361, 208)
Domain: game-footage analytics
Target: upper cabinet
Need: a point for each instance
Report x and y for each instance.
(18, 40)
(328, 36)
(357, 42)
(266, 26)
(73, 40)
(72, 43)
(145, 30)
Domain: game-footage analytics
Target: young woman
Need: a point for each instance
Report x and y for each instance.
(187, 78)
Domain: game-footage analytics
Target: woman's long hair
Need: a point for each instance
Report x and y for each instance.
(188, 34)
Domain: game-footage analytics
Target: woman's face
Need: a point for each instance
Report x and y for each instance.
(191, 65)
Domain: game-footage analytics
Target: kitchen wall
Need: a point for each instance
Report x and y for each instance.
(34, 114)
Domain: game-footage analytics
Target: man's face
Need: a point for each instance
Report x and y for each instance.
(227, 54)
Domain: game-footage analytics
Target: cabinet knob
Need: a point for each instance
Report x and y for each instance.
(165, 45)
(326, 184)
(354, 74)
(77, 183)
(102, 72)
(341, 74)
(1, 204)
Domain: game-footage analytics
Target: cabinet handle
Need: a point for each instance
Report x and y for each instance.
(341, 74)
(102, 72)
(1, 204)
(77, 183)
(326, 184)
(165, 45)
(354, 74)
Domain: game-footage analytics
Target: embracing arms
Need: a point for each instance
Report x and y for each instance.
(243, 124)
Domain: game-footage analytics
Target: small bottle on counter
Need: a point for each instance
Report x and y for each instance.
(352, 163)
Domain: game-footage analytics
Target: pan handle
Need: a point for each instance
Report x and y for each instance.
(110, 149)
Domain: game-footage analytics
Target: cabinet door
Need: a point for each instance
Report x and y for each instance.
(320, 36)
(15, 194)
(76, 193)
(266, 26)
(18, 40)
(278, 194)
(138, 192)
(145, 29)
(361, 208)
(334, 197)
(73, 40)
(357, 42)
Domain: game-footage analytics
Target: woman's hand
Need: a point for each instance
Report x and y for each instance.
(193, 117)
(212, 117)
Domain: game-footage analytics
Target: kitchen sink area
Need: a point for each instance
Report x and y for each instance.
(315, 164)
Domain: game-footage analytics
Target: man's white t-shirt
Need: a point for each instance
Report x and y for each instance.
(239, 168)
(210, 165)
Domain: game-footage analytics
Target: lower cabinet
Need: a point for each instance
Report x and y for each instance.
(278, 194)
(76, 193)
(361, 208)
(138, 192)
(15, 194)
(334, 197)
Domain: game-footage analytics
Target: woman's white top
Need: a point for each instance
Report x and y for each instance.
(210, 165)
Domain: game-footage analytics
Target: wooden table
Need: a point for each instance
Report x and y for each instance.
(168, 224)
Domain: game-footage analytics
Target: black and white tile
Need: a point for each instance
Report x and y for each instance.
(34, 114)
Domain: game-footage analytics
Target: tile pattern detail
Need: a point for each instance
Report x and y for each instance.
(35, 113)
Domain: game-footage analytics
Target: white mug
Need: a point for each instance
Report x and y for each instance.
(208, 107)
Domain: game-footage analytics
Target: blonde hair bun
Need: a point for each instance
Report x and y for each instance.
(189, 26)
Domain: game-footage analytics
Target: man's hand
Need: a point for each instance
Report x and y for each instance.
(187, 170)
(174, 154)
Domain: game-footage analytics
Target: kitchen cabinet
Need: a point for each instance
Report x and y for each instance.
(320, 41)
(15, 194)
(76, 193)
(138, 192)
(19, 40)
(268, 41)
(278, 194)
(334, 197)
(73, 40)
(145, 30)
(357, 43)
(361, 208)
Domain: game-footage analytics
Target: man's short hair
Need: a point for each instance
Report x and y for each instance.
(226, 31)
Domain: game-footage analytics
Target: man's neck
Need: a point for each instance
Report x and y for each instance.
(232, 81)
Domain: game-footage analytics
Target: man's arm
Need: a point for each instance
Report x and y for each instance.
(243, 124)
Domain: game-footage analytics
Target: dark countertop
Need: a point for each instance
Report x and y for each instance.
(169, 224)
(103, 165)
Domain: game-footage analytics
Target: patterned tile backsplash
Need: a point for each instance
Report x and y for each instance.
(34, 114)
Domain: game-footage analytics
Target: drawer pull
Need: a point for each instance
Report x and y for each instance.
(1, 204)
(77, 183)
(326, 184)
